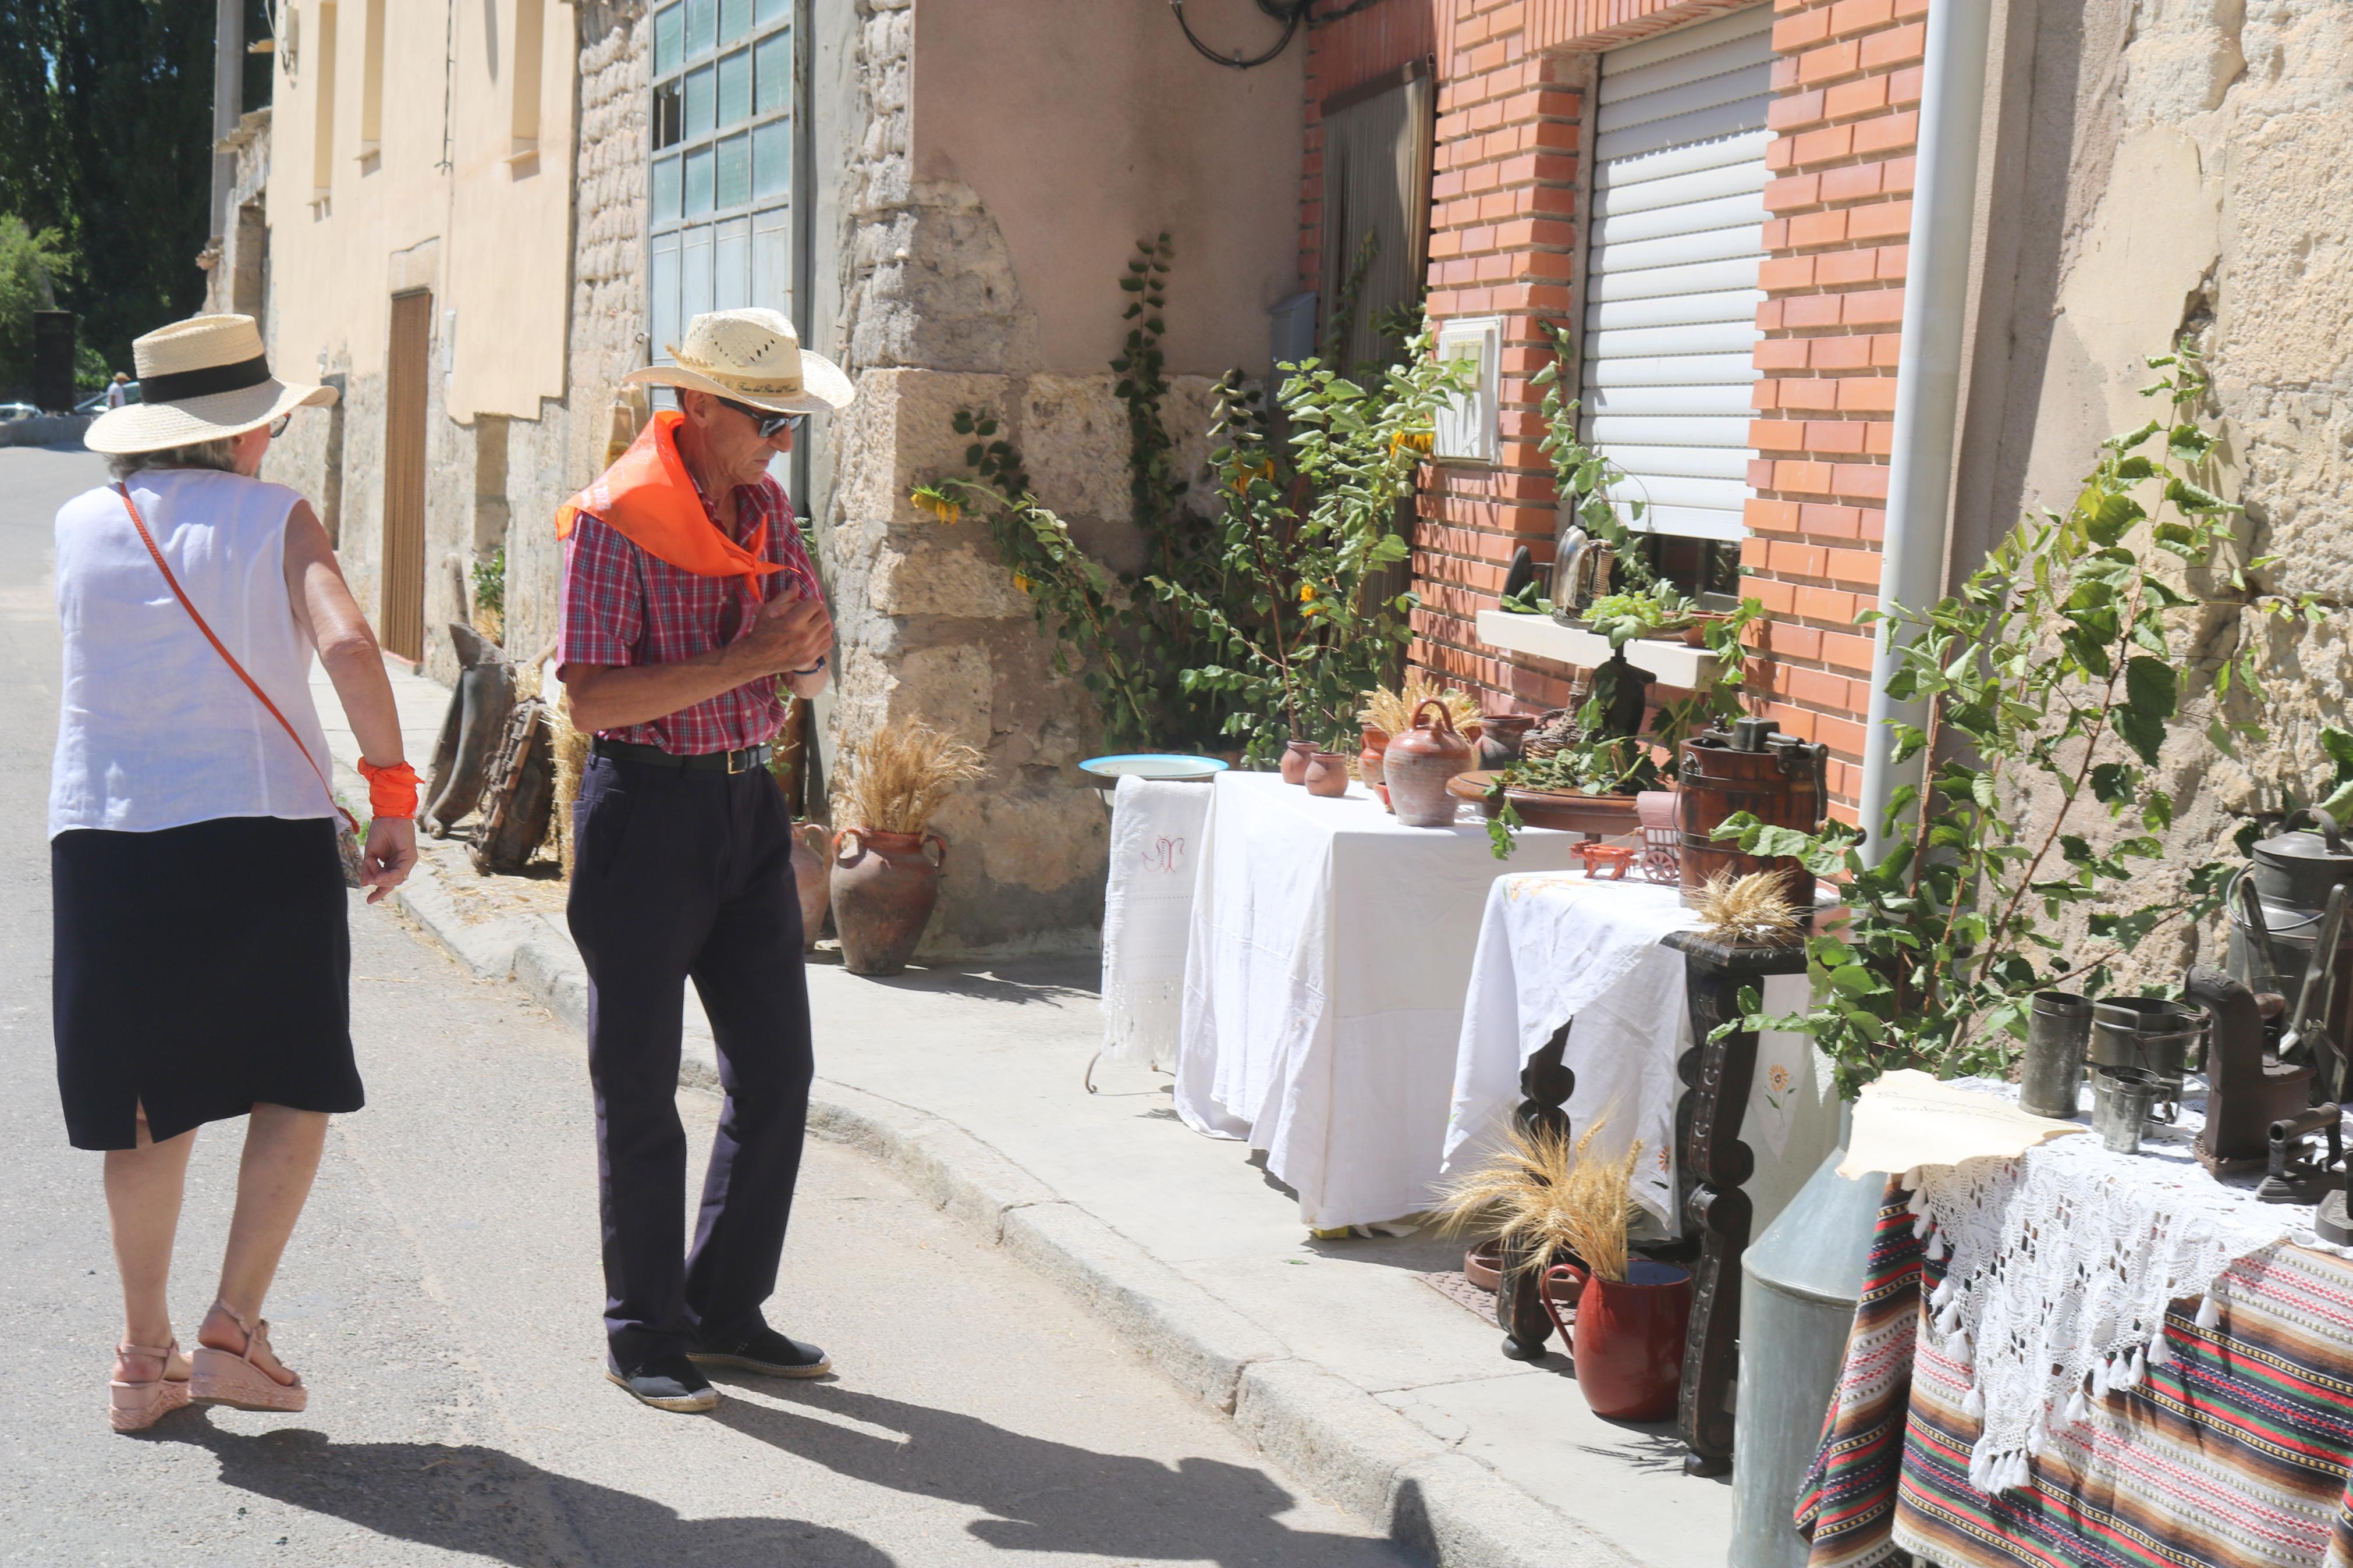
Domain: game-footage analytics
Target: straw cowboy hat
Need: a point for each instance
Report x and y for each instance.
(199, 380)
(752, 356)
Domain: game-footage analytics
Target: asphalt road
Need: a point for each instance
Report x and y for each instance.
(441, 1300)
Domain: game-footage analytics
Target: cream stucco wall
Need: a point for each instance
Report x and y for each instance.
(490, 235)
(1081, 127)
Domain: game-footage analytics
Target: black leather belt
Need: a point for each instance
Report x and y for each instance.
(743, 762)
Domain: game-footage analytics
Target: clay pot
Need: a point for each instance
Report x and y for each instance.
(1368, 761)
(1419, 762)
(812, 858)
(1483, 1267)
(1629, 1340)
(884, 886)
(1328, 774)
(1500, 736)
(1296, 757)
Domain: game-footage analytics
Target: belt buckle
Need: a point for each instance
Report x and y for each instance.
(732, 769)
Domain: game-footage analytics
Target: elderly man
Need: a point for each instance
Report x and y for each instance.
(689, 604)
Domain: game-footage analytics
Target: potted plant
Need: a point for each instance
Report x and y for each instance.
(2029, 855)
(886, 865)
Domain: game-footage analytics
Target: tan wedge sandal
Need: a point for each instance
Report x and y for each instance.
(222, 1378)
(137, 1405)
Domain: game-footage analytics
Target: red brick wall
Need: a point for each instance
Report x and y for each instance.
(1846, 120)
(1505, 197)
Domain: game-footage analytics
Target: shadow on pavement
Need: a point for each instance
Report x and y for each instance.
(495, 1506)
(1047, 1496)
(1053, 980)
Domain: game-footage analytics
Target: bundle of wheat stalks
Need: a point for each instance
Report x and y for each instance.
(899, 775)
(1753, 909)
(1542, 1199)
(1391, 712)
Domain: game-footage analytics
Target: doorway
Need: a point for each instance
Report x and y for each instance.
(401, 621)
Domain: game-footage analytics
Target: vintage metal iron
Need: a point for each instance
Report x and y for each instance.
(2247, 1090)
(2298, 1173)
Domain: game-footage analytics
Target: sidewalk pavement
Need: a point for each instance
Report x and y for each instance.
(1334, 1356)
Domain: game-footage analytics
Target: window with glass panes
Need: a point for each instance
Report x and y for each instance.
(721, 186)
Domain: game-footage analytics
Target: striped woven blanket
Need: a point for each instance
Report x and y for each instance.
(2233, 1456)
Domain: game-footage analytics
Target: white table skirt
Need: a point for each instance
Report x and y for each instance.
(1554, 949)
(1155, 849)
(1330, 952)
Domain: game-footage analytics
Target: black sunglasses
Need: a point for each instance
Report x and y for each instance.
(769, 424)
(278, 425)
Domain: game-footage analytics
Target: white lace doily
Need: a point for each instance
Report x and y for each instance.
(2062, 1262)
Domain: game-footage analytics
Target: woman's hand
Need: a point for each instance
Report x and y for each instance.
(390, 855)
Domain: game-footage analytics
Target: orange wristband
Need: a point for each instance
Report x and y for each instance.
(392, 791)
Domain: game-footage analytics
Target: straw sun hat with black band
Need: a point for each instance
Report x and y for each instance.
(199, 380)
(752, 356)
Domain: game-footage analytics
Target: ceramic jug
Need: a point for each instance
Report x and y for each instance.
(1418, 763)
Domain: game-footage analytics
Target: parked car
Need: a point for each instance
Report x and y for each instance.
(96, 401)
(13, 411)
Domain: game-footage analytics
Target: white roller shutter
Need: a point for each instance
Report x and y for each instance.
(1671, 294)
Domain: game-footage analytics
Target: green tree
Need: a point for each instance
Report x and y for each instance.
(33, 263)
(106, 116)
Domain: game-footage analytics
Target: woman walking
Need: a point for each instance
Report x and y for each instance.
(203, 961)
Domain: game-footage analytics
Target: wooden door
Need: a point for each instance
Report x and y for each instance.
(401, 621)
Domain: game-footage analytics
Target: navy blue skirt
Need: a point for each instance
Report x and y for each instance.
(199, 971)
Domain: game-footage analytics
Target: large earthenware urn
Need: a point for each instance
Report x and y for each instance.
(884, 885)
(1418, 763)
(812, 875)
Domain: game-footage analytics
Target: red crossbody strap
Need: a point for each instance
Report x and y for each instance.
(227, 657)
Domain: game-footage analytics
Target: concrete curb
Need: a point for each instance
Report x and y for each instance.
(1325, 1430)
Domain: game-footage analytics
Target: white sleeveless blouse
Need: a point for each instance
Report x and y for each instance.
(155, 730)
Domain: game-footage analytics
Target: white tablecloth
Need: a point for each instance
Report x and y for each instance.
(1323, 986)
(1555, 948)
(1156, 837)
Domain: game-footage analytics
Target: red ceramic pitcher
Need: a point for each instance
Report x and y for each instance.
(1419, 762)
(1629, 1340)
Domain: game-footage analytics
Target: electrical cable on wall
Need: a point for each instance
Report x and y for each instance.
(1289, 15)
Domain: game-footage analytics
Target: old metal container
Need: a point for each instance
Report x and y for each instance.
(2153, 1036)
(884, 886)
(2290, 875)
(2058, 1033)
(1418, 763)
(1800, 1282)
(1777, 779)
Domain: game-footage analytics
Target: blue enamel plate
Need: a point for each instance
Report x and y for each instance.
(1106, 773)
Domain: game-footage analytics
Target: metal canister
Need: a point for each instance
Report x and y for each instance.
(2121, 1099)
(2058, 1034)
(2152, 1035)
(2270, 946)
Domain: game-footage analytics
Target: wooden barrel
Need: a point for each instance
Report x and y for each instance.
(1775, 778)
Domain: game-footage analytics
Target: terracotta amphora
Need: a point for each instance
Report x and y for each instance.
(1419, 762)
(812, 858)
(1368, 761)
(1296, 757)
(884, 886)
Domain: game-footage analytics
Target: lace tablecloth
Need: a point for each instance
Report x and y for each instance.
(1324, 985)
(2061, 1264)
(2228, 1448)
(1155, 849)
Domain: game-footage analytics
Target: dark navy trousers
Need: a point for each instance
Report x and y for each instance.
(682, 875)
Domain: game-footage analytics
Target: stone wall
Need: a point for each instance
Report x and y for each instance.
(931, 626)
(2167, 167)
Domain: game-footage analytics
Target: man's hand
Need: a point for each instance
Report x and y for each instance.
(390, 855)
(791, 633)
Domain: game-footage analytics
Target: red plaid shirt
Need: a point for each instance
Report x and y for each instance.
(624, 606)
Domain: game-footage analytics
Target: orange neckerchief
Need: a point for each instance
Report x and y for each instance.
(651, 499)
